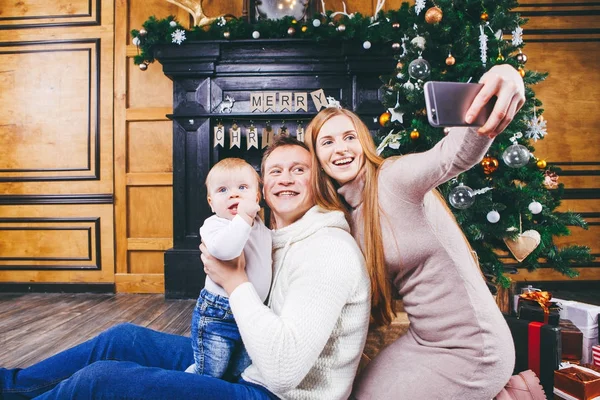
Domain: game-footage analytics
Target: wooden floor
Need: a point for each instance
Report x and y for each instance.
(34, 326)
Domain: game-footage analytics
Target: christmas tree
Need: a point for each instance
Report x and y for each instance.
(509, 201)
(505, 205)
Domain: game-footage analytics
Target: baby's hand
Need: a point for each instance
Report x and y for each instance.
(249, 209)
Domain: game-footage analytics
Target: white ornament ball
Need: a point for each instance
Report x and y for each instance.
(419, 42)
(516, 156)
(409, 86)
(316, 23)
(256, 34)
(173, 24)
(461, 197)
(367, 45)
(493, 216)
(535, 207)
(136, 41)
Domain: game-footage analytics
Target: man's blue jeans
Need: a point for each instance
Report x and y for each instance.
(218, 348)
(124, 362)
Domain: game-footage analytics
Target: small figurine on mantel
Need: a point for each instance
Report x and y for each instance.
(227, 105)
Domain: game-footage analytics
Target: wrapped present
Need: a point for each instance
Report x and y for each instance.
(577, 381)
(585, 317)
(596, 356)
(537, 306)
(532, 311)
(571, 341)
(537, 347)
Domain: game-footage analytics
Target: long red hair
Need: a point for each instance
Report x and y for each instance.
(326, 196)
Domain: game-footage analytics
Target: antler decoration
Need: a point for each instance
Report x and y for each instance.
(194, 7)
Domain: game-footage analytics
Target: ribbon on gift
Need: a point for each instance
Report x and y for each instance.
(534, 334)
(543, 299)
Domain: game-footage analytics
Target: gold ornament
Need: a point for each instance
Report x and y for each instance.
(341, 28)
(484, 16)
(500, 56)
(414, 135)
(450, 60)
(385, 118)
(143, 66)
(434, 15)
(143, 32)
(304, 28)
(541, 164)
(489, 164)
(226, 34)
(519, 184)
(194, 7)
(294, 21)
(521, 72)
(422, 112)
(399, 65)
(396, 46)
(291, 31)
(396, 25)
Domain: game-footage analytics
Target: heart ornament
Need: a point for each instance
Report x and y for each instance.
(524, 244)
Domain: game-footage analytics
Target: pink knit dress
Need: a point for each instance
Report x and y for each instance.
(458, 345)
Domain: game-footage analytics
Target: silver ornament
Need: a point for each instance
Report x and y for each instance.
(316, 23)
(366, 45)
(256, 34)
(419, 68)
(461, 197)
(516, 156)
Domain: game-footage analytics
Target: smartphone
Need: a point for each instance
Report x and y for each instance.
(447, 103)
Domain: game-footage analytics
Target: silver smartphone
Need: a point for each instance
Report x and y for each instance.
(447, 103)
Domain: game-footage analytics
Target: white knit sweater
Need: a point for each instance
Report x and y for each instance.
(307, 345)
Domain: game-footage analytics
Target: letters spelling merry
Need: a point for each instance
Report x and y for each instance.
(278, 101)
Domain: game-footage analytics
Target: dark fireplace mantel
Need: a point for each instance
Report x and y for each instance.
(205, 73)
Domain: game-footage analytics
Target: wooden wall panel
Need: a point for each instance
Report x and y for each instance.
(50, 120)
(563, 38)
(57, 243)
(56, 143)
(146, 212)
(150, 147)
(38, 13)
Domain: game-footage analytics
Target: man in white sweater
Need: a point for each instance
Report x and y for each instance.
(307, 343)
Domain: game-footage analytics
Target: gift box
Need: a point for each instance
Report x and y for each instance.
(585, 317)
(596, 356)
(532, 311)
(581, 382)
(537, 347)
(571, 341)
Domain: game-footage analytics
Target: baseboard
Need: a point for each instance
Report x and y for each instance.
(57, 287)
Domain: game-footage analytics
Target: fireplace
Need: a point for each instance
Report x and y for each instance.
(228, 83)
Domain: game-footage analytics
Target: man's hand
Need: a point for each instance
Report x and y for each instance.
(227, 274)
(504, 82)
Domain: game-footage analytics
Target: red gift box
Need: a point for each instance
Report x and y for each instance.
(596, 355)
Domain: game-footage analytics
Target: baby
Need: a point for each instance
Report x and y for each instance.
(233, 195)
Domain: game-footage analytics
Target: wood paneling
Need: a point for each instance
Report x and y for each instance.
(48, 124)
(150, 147)
(35, 13)
(56, 142)
(57, 243)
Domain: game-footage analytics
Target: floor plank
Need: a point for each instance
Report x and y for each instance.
(34, 326)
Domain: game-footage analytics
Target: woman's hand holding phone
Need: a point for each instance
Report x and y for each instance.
(504, 83)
